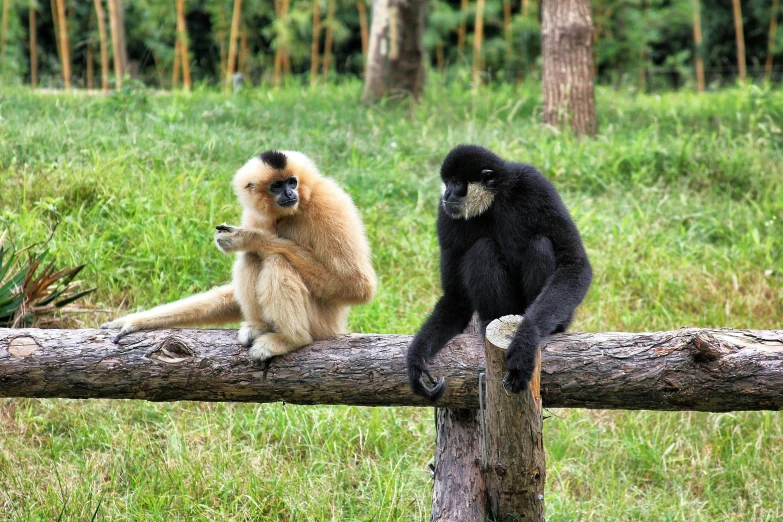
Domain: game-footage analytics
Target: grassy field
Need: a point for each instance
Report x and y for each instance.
(680, 204)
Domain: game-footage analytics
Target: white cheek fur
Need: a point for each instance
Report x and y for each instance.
(477, 200)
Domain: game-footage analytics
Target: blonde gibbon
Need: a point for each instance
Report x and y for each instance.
(302, 259)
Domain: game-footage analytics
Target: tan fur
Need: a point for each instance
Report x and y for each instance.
(297, 270)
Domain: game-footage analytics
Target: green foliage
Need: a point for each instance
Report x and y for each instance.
(679, 203)
(31, 290)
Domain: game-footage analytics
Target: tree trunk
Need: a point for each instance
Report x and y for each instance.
(104, 51)
(515, 470)
(33, 46)
(90, 65)
(643, 54)
(232, 44)
(64, 45)
(314, 53)
(182, 36)
(244, 52)
(395, 60)
(507, 32)
(329, 38)
(688, 369)
(176, 67)
(463, 26)
(740, 39)
(363, 27)
(478, 40)
(114, 27)
(697, 41)
(56, 24)
(773, 27)
(121, 34)
(566, 32)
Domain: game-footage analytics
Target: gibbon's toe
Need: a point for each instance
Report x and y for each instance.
(267, 346)
(117, 323)
(260, 352)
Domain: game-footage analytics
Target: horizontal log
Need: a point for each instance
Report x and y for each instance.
(687, 369)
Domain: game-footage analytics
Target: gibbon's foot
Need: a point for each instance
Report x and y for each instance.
(249, 332)
(267, 346)
(123, 324)
(416, 373)
(227, 238)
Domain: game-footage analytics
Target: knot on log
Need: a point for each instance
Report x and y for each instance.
(705, 348)
(173, 350)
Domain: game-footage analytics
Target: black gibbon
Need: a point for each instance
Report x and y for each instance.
(508, 246)
(302, 259)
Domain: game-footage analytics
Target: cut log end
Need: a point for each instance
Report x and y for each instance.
(501, 331)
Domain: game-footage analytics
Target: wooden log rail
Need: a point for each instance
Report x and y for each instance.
(686, 369)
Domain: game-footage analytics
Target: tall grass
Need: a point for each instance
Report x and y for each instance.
(679, 201)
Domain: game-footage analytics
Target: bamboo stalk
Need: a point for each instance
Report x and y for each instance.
(182, 36)
(66, 53)
(773, 27)
(463, 26)
(115, 43)
(740, 39)
(232, 44)
(316, 38)
(697, 40)
(104, 51)
(329, 38)
(478, 38)
(33, 46)
(363, 27)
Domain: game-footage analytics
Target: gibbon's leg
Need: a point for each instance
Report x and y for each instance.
(214, 306)
(487, 281)
(286, 304)
(246, 270)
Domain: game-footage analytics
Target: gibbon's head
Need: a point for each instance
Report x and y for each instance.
(275, 183)
(470, 176)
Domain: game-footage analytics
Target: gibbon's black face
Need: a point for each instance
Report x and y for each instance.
(469, 175)
(285, 191)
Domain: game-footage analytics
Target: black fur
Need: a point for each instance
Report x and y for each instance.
(274, 158)
(522, 256)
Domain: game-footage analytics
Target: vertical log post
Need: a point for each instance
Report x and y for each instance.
(459, 492)
(515, 468)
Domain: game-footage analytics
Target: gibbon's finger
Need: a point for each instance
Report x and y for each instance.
(432, 394)
(514, 382)
(225, 228)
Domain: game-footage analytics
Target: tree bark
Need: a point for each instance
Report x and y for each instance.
(740, 39)
(462, 31)
(182, 38)
(314, 53)
(329, 38)
(121, 33)
(176, 67)
(773, 27)
(699, 48)
(395, 61)
(566, 32)
(90, 64)
(100, 15)
(114, 27)
(515, 469)
(4, 28)
(459, 492)
(688, 369)
(64, 45)
(232, 44)
(33, 46)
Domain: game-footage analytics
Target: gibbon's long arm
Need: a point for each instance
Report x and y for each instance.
(322, 281)
(215, 306)
(450, 317)
(554, 307)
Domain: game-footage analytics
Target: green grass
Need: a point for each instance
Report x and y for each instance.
(679, 200)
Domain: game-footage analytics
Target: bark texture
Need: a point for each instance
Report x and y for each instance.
(395, 60)
(566, 34)
(687, 369)
(515, 469)
(459, 492)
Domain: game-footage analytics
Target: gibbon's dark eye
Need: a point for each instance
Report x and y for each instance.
(487, 174)
(291, 182)
(249, 186)
(277, 186)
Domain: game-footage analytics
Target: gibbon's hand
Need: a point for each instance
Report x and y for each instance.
(235, 239)
(125, 324)
(521, 358)
(417, 368)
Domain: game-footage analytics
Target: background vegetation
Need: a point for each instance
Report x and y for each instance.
(645, 43)
(679, 200)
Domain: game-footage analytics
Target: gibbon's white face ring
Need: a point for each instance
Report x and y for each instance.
(477, 201)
